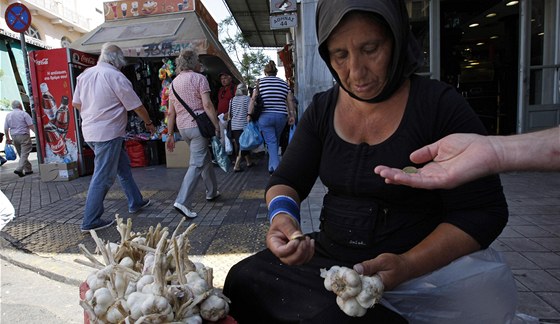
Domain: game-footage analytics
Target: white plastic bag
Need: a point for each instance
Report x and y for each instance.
(227, 143)
(477, 288)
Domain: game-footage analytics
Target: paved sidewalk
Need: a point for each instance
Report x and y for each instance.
(234, 226)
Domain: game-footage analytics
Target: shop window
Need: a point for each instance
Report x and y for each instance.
(33, 32)
(418, 11)
(65, 42)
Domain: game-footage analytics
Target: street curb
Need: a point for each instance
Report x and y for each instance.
(58, 267)
(43, 272)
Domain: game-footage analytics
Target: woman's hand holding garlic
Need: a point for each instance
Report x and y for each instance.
(355, 293)
(392, 268)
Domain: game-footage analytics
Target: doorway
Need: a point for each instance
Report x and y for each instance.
(480, 57)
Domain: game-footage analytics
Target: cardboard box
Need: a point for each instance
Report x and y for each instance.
(180, 156)
(58, 171)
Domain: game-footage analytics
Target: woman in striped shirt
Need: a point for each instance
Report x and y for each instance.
(278, 108)
(238, 109)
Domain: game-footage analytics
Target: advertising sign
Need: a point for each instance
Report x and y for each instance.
(283, 21)
(281, 6)
(133, 8)
(53, 80)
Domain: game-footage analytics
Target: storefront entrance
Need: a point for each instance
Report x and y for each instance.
(501, 55)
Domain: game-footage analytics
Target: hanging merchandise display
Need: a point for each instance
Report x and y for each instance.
(166, 74)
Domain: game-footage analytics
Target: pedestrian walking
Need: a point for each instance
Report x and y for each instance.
(225, 94)
(278, 109)
(17, 125)
(193, 88)
(238, 110)
(104, 95)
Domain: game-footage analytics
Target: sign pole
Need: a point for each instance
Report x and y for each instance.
(31, 100)
(18, 19)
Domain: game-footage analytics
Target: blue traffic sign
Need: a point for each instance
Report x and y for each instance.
(18, 17)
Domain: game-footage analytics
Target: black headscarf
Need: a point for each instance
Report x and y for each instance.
(407, 55)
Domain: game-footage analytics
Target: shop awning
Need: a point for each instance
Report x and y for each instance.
(161, 36)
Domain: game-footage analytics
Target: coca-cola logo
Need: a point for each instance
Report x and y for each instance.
(83, 58)
(58, 147)
(43, 61)
(88, 59)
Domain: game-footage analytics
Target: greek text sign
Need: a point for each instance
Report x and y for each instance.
(283, 21)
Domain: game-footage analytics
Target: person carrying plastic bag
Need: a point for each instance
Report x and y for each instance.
(251, 138)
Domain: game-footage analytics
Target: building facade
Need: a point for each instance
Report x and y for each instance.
(54, 24)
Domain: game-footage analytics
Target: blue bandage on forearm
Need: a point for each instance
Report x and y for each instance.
(283, 204)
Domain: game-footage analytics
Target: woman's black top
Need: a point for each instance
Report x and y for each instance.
(361, 215)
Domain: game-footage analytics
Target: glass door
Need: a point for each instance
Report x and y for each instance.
(539, 89)
(479, 57)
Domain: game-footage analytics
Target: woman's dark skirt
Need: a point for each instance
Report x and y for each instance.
(264, 290)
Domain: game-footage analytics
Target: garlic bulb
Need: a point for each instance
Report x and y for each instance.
(351, 307)
(214, 308)
(101, 301)
(372, 290)
(344, 282)
(355, 293)
(194, 319)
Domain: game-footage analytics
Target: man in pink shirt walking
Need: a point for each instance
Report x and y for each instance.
(104, 95)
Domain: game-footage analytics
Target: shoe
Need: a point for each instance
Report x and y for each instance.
(28, 172)
(19, 173)
(250, 165)
(3, 161)
(102, 224)
(145, 204)
(211, 198)
(184, 210)
(238, 170)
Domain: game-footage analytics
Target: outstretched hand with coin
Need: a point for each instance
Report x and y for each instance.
(452, 161)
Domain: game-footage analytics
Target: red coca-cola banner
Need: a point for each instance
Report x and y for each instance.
(53, 78)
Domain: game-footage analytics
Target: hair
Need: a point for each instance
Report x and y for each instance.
(241, 90)
(16, 104)
(187, 60)
(112, 54)
(270, 68)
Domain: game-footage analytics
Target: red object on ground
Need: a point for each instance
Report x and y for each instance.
(83, 289)
(227, 320)
(135, 150)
